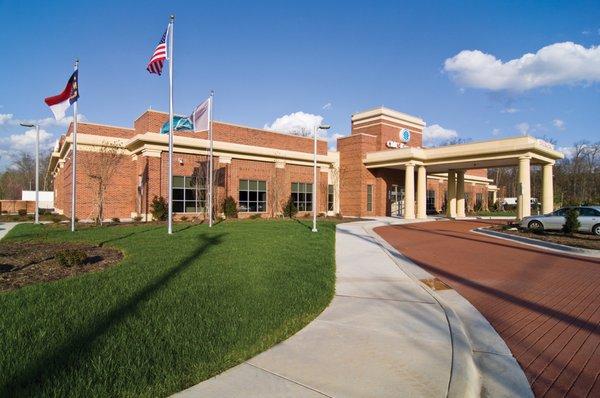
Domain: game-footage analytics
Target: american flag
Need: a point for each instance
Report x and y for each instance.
(160, 54)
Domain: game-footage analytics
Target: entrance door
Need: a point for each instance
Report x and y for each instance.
(396, 195)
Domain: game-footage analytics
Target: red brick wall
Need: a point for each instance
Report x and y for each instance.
(354, 176)
(152, 121)
(119, 198)
(98, 129)
(388, 131)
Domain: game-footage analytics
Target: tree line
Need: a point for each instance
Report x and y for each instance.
(19, 175)
(576, 177)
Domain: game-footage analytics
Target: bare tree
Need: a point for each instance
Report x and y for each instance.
(276, 193)
(100, 168)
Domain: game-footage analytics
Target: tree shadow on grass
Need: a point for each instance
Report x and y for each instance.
(77, 348)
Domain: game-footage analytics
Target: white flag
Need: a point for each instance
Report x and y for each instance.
(200, 116)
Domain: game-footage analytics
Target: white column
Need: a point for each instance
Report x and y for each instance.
(524, 188)
(460, 193)
(547, 188)
(421, 192)
(451, 196)
(409, 192)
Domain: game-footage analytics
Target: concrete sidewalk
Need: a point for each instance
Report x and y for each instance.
(5, 227)
(383, 335)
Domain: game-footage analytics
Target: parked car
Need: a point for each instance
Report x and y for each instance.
(589, 220)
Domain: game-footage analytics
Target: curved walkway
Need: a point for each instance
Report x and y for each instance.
(5, 227)
(545, 305)
(383, 335)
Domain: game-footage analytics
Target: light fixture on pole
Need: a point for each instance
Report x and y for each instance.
(314, 185)
(37, 169)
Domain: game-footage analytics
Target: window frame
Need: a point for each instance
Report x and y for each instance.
(369, 197)
(247, 208)
(300, 196)
(330, 197)
(199, 204)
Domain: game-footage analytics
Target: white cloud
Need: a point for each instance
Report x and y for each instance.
(332, 140)
(435, 134)
(559, 124)
(298, 123)
(5, 118)
(496, 132)
(301, 123)
(568, 151)
(523, 128)
(26, 140)
(556, 64)
(509, 110)
(327, 106)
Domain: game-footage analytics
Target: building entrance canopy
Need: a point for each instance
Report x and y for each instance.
(476, 155)
(456, 159)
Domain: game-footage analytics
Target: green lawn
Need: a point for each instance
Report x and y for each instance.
(177, 310)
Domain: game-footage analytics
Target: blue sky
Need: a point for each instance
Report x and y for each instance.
(267, 59)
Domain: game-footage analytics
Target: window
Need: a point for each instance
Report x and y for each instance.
(369, 197)
(253, 196)
(330, 198)
(302, 195)
(588, 212)
(430, 201)
(189, 194)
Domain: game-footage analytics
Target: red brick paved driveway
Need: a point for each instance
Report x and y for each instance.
(545, 305)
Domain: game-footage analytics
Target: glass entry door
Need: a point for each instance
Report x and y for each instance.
(396, 196)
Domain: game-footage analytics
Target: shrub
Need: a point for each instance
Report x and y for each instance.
(255, 216)
(230, 207)
(322, 214)
(71, 257)
(159, 208)
(571, 224)
(290, 210)
(22, 212)
(116, 220)
(137, 218)
(55, 219)
(307, 215)
(339, 216)
(183, 218)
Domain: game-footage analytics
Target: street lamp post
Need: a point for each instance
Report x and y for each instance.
(37, 169)
(314, 185)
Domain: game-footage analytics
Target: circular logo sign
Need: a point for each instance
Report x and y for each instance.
(404, 135)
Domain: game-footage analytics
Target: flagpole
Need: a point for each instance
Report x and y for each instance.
(170, 217)
(74, 158)
(210, 161)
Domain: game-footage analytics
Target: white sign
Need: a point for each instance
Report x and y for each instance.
(394, 144)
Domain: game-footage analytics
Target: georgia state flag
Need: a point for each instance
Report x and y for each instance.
(60, 103)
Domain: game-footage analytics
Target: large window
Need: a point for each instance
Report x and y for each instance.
(302, 195)
(369, 197)
(330, 198)
(430, 201)
(189, 194)
(253, 196)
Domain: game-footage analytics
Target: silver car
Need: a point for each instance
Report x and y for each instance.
(589, 220)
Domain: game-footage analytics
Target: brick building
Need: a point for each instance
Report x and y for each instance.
(372, 172)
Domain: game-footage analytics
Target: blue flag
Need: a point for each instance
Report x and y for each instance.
(179, 123)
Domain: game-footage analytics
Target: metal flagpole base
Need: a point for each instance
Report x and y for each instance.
(314, 230)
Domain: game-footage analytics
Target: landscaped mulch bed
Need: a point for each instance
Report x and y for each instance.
(585, 241)
(23, 264)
